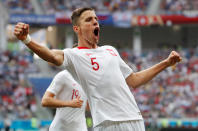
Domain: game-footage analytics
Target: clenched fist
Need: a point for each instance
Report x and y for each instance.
(21, 31)
(173, 58)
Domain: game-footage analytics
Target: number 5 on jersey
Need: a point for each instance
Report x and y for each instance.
(95, 65)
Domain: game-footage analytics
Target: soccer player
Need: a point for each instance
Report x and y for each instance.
(100, 71)
(65, 94)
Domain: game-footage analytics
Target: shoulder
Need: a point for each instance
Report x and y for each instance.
(63, 75)
(108, 47)
(63, 78)
(67, 50)
(60, 76)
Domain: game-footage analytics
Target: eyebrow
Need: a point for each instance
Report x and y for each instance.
(88, 18)
(95, 17)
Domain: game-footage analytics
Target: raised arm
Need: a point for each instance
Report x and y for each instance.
(56, 57)
(137, 79)
(48, 100)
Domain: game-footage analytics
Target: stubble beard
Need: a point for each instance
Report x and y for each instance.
(91, 41)
(92, 44)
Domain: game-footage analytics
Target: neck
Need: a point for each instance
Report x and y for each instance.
(85, 43)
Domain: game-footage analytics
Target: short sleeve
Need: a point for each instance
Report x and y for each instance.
(67, 59)
(56, 85)
(125, 69)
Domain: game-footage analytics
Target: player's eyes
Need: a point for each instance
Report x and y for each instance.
(88, 19)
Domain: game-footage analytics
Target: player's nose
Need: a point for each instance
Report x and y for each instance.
(95, 22)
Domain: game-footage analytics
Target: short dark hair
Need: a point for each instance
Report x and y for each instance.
(77, 13)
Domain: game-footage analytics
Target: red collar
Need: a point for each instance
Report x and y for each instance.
(83, 48)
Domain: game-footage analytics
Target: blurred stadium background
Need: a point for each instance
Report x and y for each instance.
(144, 32)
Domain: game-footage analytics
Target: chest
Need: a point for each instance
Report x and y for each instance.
(97, 60)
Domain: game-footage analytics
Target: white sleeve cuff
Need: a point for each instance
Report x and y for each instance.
(27, 40)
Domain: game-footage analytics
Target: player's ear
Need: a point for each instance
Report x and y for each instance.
(75, 28)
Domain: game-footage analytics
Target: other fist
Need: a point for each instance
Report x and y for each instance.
(21, 31)
(173, 58)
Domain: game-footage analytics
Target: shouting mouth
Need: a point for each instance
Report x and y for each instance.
(96, 31)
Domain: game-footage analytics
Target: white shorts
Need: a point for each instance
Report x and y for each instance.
(133, 125)
(72, 126)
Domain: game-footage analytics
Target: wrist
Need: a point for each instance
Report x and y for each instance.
(67, 104)
(27, 40)
(167, 63)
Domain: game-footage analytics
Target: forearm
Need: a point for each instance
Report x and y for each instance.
(52, 102)
(21, 31)
(42, 51)
(142, 77)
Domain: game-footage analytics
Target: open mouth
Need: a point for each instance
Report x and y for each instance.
(96, 31)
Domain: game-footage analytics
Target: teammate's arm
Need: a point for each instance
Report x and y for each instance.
(48, 100)
(136, 79)
(56, 57)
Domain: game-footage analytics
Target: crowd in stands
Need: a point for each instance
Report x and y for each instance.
(101, 6)
(135, 6)
(19, 6)
(108, 5)
(17, 98)
(174, 92)
(53, 6)
(178, 6)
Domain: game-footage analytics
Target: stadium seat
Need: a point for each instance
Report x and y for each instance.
(194, 124)
(22, 125)
(45, 123)
(1, 125)
(186, 123)
(164, 123)
(172, 123)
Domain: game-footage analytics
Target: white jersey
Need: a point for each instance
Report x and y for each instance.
(64, 87)
(101, 73)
